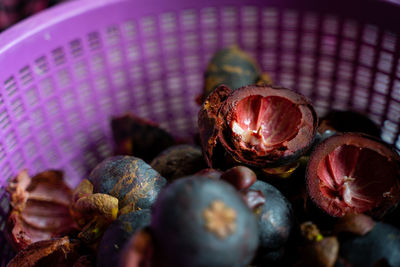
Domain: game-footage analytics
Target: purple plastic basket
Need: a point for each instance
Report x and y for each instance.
(66, 71)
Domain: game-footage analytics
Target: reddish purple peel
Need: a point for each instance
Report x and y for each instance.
(351, 173)
(358, 178)
(266, 121)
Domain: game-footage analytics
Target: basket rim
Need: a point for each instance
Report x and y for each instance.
(384, 13)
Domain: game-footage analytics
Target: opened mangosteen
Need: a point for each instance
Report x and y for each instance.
(138, 137)
(197, 221)
(118, 234)
(261, 126)
(354, 173)
(40, 208)
(179, 161)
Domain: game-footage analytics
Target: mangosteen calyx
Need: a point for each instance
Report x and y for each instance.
(220, 219)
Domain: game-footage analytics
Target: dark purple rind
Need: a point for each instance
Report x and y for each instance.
(207, 121)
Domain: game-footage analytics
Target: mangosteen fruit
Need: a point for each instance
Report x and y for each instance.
(179, 161)
(138, 137)
(380, 244)
(275, 218)
(354, 173)
(131, 180)
(260, 126)
(233, 67)
(348, 121)
(197, 221)
(118, 234)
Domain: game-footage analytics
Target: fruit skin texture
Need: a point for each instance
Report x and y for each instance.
(130, 179)
(137, 137)
(198, 221)
(179, 161)
(275, 218)
(383, 242)
(354, 173)
(348, 121)
(118, 234)
(233, 67)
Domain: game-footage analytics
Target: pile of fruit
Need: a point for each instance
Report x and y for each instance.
(266, 183)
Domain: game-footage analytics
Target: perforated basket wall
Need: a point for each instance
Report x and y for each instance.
(65, 72)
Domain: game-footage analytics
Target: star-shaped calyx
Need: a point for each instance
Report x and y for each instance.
(220, 219)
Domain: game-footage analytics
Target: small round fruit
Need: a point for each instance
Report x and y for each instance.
(118, 234)
(130, 179)
(382, 243)
(354, 173)
(179, 161)
(348, 121)
(240, 177)
(275, 218)
(266, 126)
(197, 221)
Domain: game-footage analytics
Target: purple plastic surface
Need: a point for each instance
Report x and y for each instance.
(67, 71)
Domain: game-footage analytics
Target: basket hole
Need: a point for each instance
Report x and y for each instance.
(208, 17)
(190, 41)
(348, 50)
(370, 35)
(25, 75)
(170, 44)
(68, 100)
(47, 87)
(80, 70)
(168, 22)
(32, 97)
(10, 141)
(148, 26)
(4, 120)
(115, 57)
(58, 56)
(2, 153)
(97, 64)
(249, 16)
(385, 61)
(229, 17)
(113, 35)
(41, 66)
(382, 83)
(350, 29)
(64, 78)
(118, 78)
(367, 55)
(129, 30)
(94, 41)
(330, 25)
(133, 53)
(310, 22)
(37, 117)
(53, 108)
(270, 17)
(189, 19)
(154, 69)
(17, 160)
(389, 41)
(17, 108)
(290, 20)
(24, 128)
(30, 149)
(76, 48)
(10, 86)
